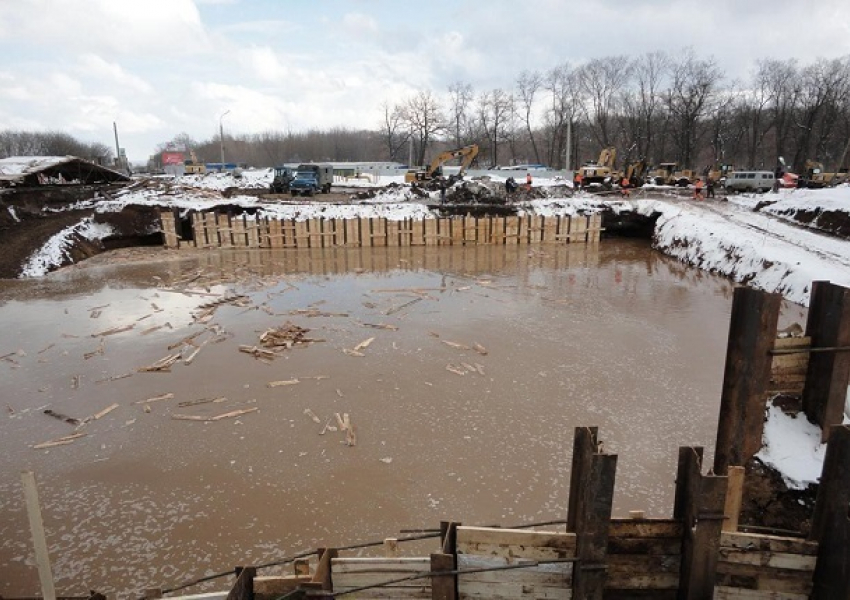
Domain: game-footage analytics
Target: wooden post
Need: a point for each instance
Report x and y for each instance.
(830, 524)
(752, 331)
(243, 589)
(443, 587)
(584, 447)
(734, 494)
(593, 520)
(391, 547)
(323, 574)
(829, 372)
(699, 503)
(39, 540)
(448, 537)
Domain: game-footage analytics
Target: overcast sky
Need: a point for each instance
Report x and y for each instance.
(162, 67)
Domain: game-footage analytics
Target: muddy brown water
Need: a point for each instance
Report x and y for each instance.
(615, 336)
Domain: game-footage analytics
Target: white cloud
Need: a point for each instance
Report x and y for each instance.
(153, 27)
(112, 73)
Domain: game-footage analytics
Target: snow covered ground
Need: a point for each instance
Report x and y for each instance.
(766, 249)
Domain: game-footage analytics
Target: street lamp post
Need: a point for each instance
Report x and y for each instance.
(221, 136)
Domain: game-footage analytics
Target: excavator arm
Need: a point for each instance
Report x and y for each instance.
(468, 153)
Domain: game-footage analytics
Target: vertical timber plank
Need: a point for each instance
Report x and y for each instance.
(700, 502)
(443, 587)
(825, 392)
(511, 230)
(752, 332)
(243, 589)
(224, 231)
(584, 446)
(431, 236)
(830, 524)
(734, 496)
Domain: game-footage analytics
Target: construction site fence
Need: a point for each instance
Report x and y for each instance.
(212, 229)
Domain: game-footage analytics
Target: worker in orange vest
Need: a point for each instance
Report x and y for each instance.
(528, 181)
(577, 180)
(624, 187)
(698, 190)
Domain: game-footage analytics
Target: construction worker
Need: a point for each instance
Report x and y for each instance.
(709, 186)
(698, 190)
(528, 181)
(577, 180)
(624, 187)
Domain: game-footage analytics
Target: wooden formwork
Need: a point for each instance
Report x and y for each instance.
(218, 230)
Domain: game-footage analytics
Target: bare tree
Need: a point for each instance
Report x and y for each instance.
(602, 81)
(642, 103)
(460, 99)
(425, 120)
(494, 111)
(693, 87)
(528, 84)
(565, 94)
(393, 130)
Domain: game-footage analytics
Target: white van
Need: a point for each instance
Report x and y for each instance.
(750, 181)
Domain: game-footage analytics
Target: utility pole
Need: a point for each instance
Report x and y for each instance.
(221, 136)
(568, 153)
(117, 147)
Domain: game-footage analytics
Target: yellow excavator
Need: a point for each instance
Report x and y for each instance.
(602, 171)
(435, 169)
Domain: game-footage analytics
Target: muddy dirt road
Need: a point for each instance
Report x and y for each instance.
(463, 372)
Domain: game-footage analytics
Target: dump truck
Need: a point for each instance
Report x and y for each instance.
(312, 179)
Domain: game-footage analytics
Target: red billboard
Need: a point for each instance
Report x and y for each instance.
(172, 158)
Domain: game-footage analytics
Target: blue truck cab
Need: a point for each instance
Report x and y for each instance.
(312, 179)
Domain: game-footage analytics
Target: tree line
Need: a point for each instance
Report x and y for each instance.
(52, 143)
(656, 106)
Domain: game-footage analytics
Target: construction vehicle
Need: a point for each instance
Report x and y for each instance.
(435, 169)
(312, 179)
(602, 171)
(635, 173)
(815, 177)
(192, 166)
(283, 176)
(669, 173)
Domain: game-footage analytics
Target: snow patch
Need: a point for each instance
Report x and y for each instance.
(792, 446)
(12, 212)
(55, 251)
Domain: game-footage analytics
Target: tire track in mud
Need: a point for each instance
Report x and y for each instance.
(799, 239)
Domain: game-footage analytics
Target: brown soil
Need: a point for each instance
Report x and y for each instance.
(768, 502)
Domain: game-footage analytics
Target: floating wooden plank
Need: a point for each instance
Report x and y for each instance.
(159, 398)
(105, 411)
(68, 439)
(757, 577)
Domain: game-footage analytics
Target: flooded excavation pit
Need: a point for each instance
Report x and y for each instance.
(234, 407)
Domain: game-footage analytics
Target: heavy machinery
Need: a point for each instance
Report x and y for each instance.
(602, 171)
(435, 169)
(312, 179)
(192, 166)
(283, 176)
(670, 174)
(815, 177)
(635, 173)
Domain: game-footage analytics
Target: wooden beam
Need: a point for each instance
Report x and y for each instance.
(443, 587)
(323, 574)
(243, 589)
(593, 522)
(701, 508)
(584, 447)
(42, 558)
(830, 525)
(752, 330)
(828, 373)
(734, 494)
